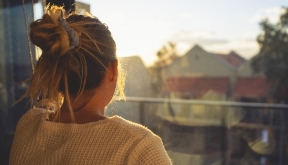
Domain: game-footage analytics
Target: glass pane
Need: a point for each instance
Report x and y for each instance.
(17, 57)
(209, 132)
(190, 74)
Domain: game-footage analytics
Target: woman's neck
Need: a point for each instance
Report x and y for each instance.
(87, 108)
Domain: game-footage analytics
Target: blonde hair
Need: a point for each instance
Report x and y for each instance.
(62, 71)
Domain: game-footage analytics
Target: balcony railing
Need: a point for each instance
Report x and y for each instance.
(212, 132)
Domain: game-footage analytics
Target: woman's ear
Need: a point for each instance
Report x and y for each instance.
(113, 70)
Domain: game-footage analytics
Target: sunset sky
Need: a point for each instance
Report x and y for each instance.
(142, 27)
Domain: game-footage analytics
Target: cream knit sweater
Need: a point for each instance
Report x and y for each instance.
(112, 141)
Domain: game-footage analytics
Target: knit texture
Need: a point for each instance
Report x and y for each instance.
(112, 141)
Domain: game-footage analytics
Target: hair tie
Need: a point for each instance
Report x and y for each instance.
(73, 37)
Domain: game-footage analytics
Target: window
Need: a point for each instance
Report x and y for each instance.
(201, 94)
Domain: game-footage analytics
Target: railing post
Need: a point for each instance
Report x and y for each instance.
(141, 113)
(224, 141)
(281, 143)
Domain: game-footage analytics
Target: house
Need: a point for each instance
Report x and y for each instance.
(197, 87)
(199, 63)
(200, 75)
(216, 72)
(253, 88)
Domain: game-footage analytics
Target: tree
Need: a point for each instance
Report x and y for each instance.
(272, 58)
(165, 56)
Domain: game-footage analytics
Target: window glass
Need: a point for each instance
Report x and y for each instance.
(208, 77)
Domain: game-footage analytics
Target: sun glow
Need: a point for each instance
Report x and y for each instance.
(142, 27)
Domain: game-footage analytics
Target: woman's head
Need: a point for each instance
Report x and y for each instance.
(76, 52)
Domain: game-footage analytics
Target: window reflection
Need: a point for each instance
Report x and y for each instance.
(212, 132)
(208, 107)
(15, 67)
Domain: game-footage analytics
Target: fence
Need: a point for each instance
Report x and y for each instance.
(212, 132)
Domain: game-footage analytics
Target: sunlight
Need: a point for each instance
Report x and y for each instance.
(141, 29)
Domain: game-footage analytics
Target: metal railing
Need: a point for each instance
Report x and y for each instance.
(277, 114)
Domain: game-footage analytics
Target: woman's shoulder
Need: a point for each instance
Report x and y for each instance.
(31, 114)
(131, 127)
(36, 118)
(147, 147)
(30, 120)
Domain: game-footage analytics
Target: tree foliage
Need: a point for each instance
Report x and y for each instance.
(165, 56)
(272, 58)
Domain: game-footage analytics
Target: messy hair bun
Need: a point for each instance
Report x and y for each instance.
(67, 71)
(48, 35)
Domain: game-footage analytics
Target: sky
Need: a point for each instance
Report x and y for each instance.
(220, 26)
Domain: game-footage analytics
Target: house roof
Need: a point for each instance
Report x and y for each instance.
(252, 87)
(232, 58)
(196, 85)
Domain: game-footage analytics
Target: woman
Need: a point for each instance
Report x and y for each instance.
(74, 80)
